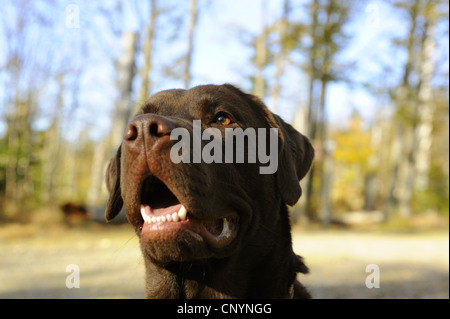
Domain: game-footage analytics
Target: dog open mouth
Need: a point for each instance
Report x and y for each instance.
(163, 213)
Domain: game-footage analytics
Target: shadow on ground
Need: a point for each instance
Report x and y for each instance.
(33, 263)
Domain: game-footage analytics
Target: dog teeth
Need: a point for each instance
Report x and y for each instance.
(182, 212)
(143, 214)
(226, 231)
(181, 215)
(145, 217)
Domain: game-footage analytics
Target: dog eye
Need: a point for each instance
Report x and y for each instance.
(223, 119)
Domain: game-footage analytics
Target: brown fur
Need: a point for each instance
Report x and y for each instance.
(259, 262)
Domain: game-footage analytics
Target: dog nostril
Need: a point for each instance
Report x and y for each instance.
(154, 129)
(131, 133)
(160, 128)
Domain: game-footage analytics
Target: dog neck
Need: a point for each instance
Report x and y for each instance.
(273, 276)
(180, 281)
(186, 281)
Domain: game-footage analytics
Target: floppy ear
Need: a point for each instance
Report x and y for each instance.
(115, 201)
(294, 161)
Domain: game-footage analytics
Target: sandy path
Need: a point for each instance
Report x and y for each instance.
(410, 265)
(34, 266)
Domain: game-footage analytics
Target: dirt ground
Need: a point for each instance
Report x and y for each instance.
(34, 261)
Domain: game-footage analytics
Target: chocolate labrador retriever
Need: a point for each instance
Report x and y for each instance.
(210, 229)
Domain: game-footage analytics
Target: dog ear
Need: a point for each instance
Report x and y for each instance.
(115, 201)
(294, 161)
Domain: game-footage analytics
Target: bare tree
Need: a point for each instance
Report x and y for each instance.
(426, 105)
(193, 14)
(148, 51)
(325, 32)
(281, 56)
(52, 148)
(259, 88)
(415, 106)
(125, 68)
(24, 75)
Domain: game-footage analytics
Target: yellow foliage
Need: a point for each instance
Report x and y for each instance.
(351, 165)
(353, 146)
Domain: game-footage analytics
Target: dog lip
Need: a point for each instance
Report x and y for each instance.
(217, 233)
(228, 232)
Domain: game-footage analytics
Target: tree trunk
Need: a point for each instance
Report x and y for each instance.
(148, 52)
(126, 70)
(193, 13)
(403, 160)
(261, 56)
(426, 107)
(312, 109)
(97, 174)
(280, 56)
(51, 150)
(121, 114)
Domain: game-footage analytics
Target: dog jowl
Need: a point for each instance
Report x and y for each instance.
(211, 224)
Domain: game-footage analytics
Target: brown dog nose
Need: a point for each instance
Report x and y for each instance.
(149, 128)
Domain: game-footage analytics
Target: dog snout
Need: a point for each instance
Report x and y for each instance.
(147, 129)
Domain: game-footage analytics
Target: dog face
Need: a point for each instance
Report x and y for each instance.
(193, 210)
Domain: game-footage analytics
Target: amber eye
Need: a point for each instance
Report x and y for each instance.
(223, 119)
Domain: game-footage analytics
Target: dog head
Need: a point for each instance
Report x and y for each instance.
(197, 209)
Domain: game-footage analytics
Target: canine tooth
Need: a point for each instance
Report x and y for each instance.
(182, 212)
(175, 217)
(169, 217)
(143, 214)
(163, 218)
(226, 231)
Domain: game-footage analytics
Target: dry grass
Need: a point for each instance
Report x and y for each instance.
(33, 261)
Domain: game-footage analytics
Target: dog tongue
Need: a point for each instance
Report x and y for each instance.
(165, 210)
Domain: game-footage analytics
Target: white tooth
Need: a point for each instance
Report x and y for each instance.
(226, 231)
(158, 219)
(163, 218)
(175, 217)
(153, 219)
(143, 214)
(168, 217)
(182, 212)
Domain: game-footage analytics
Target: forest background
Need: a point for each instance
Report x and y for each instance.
(366, 81)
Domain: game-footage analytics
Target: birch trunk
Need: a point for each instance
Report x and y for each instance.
(426, 108)
(148, 52)
(403, 162)
(280, 56)
(124, 107)
(261, 56)
(193, 13)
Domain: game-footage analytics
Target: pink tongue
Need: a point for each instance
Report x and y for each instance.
(162, 211)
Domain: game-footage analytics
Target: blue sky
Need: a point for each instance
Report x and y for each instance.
(223, 57)
(220, 56)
